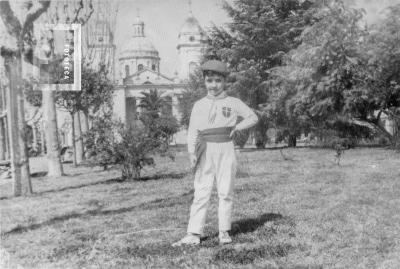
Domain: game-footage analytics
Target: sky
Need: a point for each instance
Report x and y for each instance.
(375, 9)
(163, 20)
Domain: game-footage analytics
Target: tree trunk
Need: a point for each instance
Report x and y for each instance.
(34, 138)
(7, 139)
(292, 141)
(78, 138)
(43, 139)
(55, 168)
(85, 121)
(73, 139)
(16, 128)
(3, 146)
(2, 140)
(22, 141)
(85, 128)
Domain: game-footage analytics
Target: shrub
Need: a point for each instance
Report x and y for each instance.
(135, 150)
(109, 142)
(383, 141)
(101, 141)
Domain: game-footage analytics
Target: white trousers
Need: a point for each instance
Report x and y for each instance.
(218, 162)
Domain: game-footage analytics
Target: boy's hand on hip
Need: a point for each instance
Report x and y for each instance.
(232, 134)
(193, 160)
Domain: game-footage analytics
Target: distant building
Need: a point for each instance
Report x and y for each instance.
(138, 69)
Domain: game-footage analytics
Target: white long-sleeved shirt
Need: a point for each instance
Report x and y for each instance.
(210, 112)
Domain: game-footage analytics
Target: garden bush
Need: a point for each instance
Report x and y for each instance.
(132, 147)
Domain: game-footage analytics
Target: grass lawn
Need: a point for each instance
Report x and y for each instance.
(301, 211)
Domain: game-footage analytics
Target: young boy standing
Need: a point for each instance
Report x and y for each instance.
(212, 155)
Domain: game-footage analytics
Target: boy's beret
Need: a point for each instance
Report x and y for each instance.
(216, 66)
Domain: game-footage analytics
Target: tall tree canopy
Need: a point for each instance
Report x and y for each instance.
(261, 34)
(342, 71)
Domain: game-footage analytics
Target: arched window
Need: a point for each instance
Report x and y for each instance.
(140, 67)
(126, 70)
(153, 67)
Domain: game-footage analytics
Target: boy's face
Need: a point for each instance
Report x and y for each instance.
(215, 84)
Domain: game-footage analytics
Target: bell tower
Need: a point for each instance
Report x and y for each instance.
(191, 44)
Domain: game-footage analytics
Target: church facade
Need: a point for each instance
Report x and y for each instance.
(138, 70)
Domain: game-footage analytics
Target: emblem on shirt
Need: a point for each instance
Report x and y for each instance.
(226, 111)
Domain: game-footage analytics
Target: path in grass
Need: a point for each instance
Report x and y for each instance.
(303, 212)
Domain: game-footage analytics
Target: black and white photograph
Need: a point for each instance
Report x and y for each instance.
(200, 134)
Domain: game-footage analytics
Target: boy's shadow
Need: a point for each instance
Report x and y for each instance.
(247, 225)
(251, 224)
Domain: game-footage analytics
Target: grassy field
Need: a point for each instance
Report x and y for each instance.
(296, 210)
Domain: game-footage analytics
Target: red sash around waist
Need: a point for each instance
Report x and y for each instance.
(215, 135)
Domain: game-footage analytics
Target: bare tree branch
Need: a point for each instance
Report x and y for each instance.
(77, 11)
(88, 15)
(10, 20)
(34, 13)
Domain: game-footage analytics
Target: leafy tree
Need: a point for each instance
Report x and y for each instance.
(20, 34)
(32, 95)
(96, 93)
(135, 150)
(157, 116)
(342, 74)
(377, 75)
(318, 72)
(261, 34)
(101, 141)
(109, 142)
(193, 92)
(152, 103)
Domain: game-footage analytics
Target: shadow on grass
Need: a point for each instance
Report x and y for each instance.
(163, 176)
(108, 181)
(35, 194)
(183, 199)
(251, 224)
(158, 203)
(39, 174)
(242, 226)
(267, 248)
(156, 250)
(230, 254)
(248, 254)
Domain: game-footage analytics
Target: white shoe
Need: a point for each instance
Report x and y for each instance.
(224, 238)
(189, 239)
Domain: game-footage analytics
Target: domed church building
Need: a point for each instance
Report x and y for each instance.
(138, 70)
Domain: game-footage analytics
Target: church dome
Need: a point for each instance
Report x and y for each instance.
(191, 26)
(138, 45)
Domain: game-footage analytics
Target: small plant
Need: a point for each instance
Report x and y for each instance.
(339, 151)
(134, 151)
(101, 141)
(340, 145)
(109, 142)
